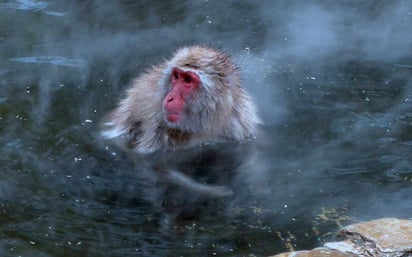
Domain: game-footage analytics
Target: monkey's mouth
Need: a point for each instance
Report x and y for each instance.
(172, 117)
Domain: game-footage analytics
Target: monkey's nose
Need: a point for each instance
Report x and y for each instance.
(170, 98)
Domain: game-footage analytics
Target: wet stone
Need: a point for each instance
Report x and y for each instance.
(389, 237)
(322, 251)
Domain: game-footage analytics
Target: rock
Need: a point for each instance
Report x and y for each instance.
(318, 252)
(389, 234)
(387, 237)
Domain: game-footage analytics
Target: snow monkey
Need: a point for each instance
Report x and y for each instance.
(195, 98)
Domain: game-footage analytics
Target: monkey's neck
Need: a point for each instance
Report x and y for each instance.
(178, 137)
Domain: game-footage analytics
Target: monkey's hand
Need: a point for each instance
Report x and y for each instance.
(179, 179)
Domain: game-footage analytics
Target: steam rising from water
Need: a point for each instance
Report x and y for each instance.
(332, 81)
(56, 60)
(281, 46)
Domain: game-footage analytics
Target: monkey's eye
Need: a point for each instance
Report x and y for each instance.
(187, 78)
(175, 75)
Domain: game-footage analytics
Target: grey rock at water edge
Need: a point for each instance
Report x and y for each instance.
(386, 237)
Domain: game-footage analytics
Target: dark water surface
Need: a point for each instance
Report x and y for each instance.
(333, 82)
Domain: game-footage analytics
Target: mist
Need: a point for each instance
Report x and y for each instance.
(332, 81)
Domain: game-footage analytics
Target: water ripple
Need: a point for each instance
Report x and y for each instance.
(25, 5)
(56, 60)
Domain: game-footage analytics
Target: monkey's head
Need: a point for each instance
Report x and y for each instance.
(199, 83)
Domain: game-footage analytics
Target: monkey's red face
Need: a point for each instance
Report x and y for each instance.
(184, 85)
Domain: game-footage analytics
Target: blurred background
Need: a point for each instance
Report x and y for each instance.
(332, 80)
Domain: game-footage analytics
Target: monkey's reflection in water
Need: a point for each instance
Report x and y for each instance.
(189, 181)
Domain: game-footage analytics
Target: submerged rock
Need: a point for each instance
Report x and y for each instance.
(387, 237)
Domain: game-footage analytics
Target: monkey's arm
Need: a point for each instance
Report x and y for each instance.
(136, 120)
(180, 179)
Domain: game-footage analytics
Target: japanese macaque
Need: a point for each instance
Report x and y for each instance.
(194, 98)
